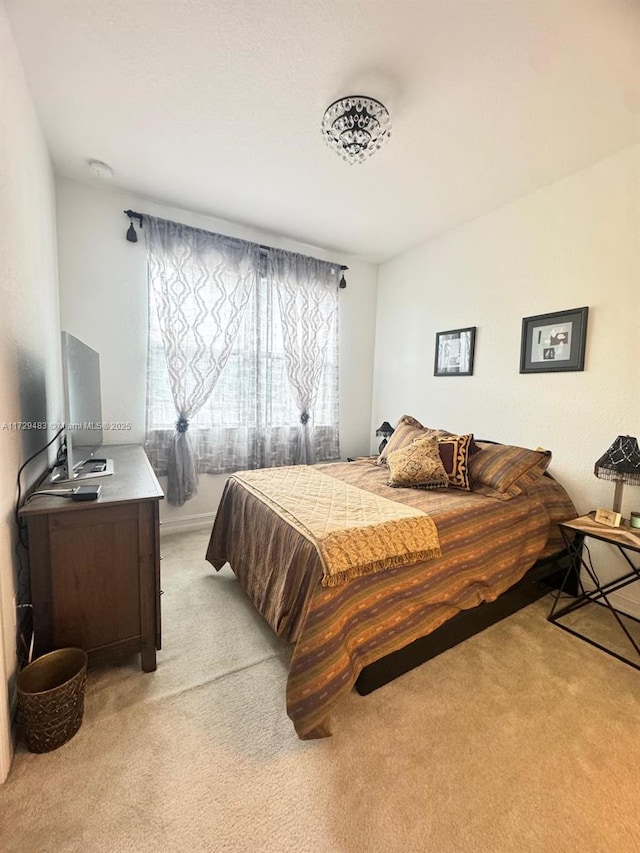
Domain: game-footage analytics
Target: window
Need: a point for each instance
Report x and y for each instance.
(250, 418)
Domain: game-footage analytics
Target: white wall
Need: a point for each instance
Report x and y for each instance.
(103, 301)
(571, 244)
(30, 383)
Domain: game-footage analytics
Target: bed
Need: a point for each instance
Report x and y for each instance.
(496, 548)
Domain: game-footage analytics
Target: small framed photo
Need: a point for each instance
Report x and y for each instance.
(454, 352)
(554, 342)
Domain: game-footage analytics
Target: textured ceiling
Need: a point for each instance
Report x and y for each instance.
(216, 106)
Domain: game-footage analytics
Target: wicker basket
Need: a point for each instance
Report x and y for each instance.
(51, 698)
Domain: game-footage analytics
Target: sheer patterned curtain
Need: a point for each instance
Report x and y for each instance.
(246, 411)
(308, 302)
(201, 284)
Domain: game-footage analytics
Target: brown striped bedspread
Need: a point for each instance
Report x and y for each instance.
(487, 545)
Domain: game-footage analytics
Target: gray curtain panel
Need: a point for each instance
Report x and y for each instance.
(308, 300)
(201, 284)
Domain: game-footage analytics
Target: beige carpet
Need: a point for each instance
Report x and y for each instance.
(521, 740)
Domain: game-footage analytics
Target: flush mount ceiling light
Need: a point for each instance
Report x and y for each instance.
(100, 169)
(355, 127)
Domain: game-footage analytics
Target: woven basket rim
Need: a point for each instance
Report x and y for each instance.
(48, 655)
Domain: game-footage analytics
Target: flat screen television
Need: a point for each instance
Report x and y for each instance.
(83, 414)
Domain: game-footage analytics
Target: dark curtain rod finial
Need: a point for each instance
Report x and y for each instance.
(343, 282)
(132, 214)
(132, 235)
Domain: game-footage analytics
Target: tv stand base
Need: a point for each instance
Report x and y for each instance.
(88, 470)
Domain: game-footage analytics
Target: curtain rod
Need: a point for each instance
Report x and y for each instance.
(133, 238)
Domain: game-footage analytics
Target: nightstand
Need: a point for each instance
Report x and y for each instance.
(626, 541)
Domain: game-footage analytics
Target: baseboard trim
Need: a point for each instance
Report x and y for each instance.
(620, 601)
(187, 522)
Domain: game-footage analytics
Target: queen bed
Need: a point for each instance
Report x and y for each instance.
(497, 539)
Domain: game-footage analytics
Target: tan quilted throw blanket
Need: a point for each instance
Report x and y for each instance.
(355, 532)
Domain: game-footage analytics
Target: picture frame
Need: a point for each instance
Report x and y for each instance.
(554, 342)
(454, 352)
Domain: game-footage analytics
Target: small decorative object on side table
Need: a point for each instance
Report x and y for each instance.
(625, 539)
(385, 430)
(621, 463)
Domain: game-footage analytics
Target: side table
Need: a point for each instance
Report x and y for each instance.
(625, 540)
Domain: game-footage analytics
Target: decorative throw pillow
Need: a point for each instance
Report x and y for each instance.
(418, 466)
(505, 471)
(443, 433)
(407, 430)
(455, 451)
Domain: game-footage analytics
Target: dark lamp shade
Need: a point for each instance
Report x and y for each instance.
(621, 462)
(385, 429)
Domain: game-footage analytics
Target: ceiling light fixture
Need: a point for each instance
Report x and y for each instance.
(355, 127)
(102, 170)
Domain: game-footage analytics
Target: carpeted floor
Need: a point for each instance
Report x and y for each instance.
(521, 740)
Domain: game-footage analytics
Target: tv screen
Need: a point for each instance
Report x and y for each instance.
(83, 410)
(83, 401)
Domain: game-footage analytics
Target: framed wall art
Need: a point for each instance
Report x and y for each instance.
(554, 342)
(454, 352)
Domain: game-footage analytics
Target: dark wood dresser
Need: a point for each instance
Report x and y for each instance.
(95, 565)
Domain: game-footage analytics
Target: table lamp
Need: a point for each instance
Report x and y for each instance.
(385, 430)
(621, 463)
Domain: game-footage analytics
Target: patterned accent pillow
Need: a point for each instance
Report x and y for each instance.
(444, 433)
(418, 466)
(455, 451)
(505, 471)
(407, 430)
